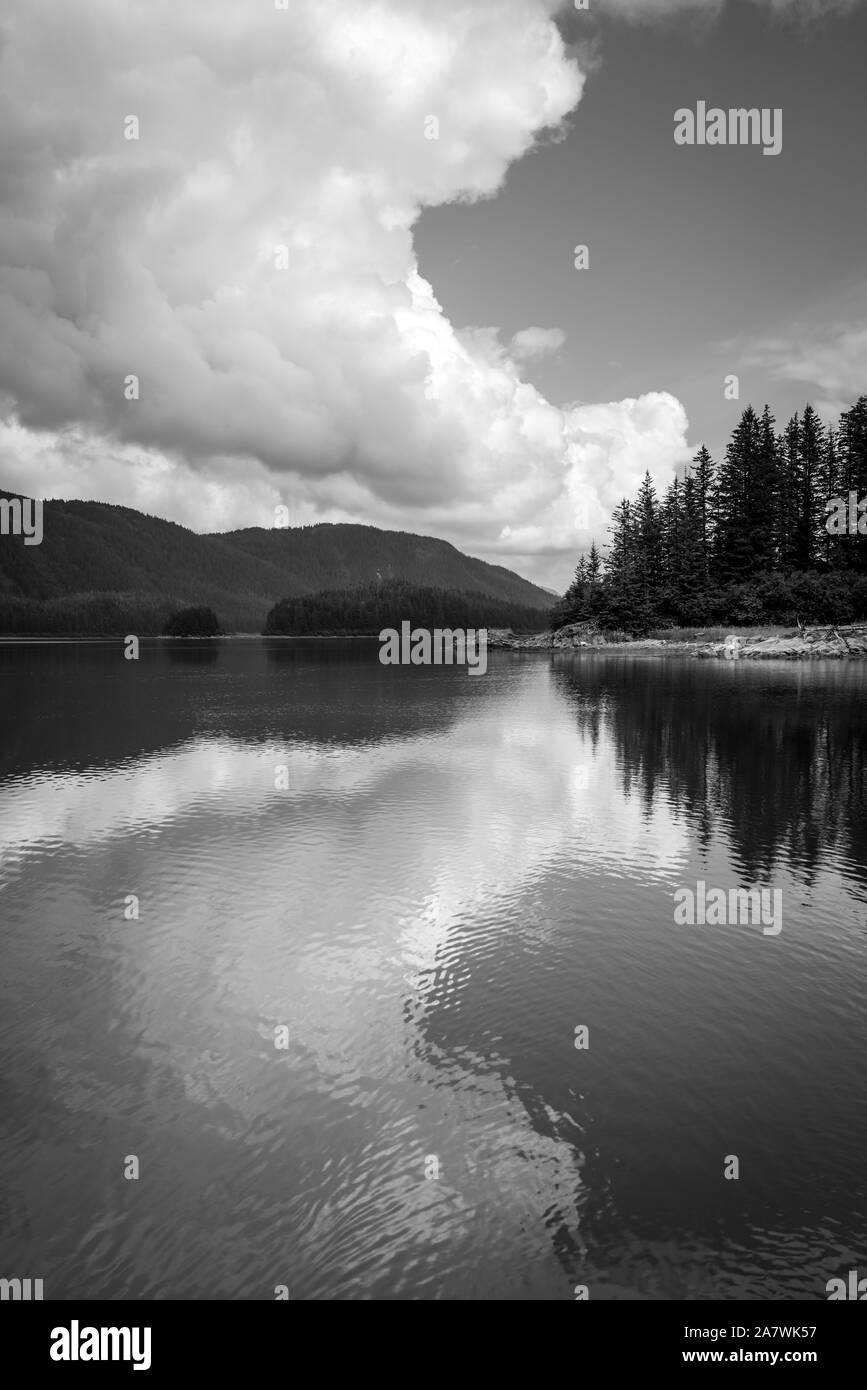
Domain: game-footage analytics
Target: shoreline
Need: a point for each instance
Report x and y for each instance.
(837, 642)
(834, 642)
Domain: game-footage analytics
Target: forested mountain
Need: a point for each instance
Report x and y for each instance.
(371, 607)
(742, 541)
(104, 568)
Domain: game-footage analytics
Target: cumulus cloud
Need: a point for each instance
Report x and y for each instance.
(530, 343)
(249, 258)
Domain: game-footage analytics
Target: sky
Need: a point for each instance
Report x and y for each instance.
(334, 271)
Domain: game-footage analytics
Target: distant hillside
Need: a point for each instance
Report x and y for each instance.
(102, 568)
(368, 608)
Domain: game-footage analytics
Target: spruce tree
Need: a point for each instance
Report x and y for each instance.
(738, 502)
(829, 491)
(808, 507)
(704, 473)
(787, 505)
(671, 527)
(762, 498)
(693, 574)
(649, 539)
(594, 565)
(852, 450)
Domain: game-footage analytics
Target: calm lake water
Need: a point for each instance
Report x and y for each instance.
(457, 875)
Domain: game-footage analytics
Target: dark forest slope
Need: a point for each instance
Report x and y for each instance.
(101, 566)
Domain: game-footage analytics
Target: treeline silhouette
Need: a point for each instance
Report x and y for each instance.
(368, 608)
(86, 614)
(193, 622)
(744, 541)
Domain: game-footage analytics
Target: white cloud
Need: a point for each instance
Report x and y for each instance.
(531, 343)
(336, 384)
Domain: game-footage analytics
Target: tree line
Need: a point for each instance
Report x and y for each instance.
(366, 609)
(743, 541)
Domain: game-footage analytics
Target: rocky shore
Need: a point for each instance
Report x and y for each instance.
(575, 635)
(845, 642)
(801, 644)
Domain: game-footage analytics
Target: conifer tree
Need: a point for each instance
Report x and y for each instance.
(648, 539)
(808, 490)
(852, 452)
(763, 504)
(737, 501)
(594, 565)
(787, 506)
(829, 491)
(704, 473)
(709, 549)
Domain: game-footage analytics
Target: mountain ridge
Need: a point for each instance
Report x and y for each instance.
(99, 554)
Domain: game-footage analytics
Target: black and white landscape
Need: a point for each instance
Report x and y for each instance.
(433, 622)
